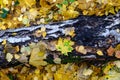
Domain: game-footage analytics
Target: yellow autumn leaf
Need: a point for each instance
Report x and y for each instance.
(20, 18)
(100, 53)
(41, 53)
(4, 42)
(58, 76)
(5, 1)
(41, 32)
(32, 13)
(85, 12)
(2, 27)
(17, 48)
(17, 56)
(117, 48)
(4, 76)
(43, 3)
(44, 34)
(112, 10)
(107, 68)
(27, 3)
(105, 1)
(37, 60)
(64, 45)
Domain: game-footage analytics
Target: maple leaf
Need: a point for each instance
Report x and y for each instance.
(64, 45)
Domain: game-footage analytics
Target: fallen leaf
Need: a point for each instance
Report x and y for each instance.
(107, 68)
(87, 72)
(5, 1)
(32, 45)
(10, 49)
(99, 52)
(25, 50)
(117, 54)
(70, 31)
(110, 51)
(42, 48)
(36, 60)
(17, 56)
(4, 42)
(41, 32)
(9, 57)
(57, 60)
(26, 21)
(20, 18)
(117, 47)
(51, 45)
(64, 45)
(81, 49)
(117, 63)
(32, 13)
(23, 58)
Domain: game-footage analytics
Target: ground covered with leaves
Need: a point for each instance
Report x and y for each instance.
(19, 13)
(70, 71)
(53, 60)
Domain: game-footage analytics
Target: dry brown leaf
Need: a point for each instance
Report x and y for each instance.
(110, 51)
(81, 49)
(23, 58)
(70, 31)
(51, 45)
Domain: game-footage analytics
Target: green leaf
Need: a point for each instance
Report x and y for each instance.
(59, 5)
(64, 45)
(10, 76)
(16, 3)
(4, 10)
(65, 2)
(3, 15)
(71, 1)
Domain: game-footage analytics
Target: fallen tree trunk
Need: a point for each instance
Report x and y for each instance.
(91, 31)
